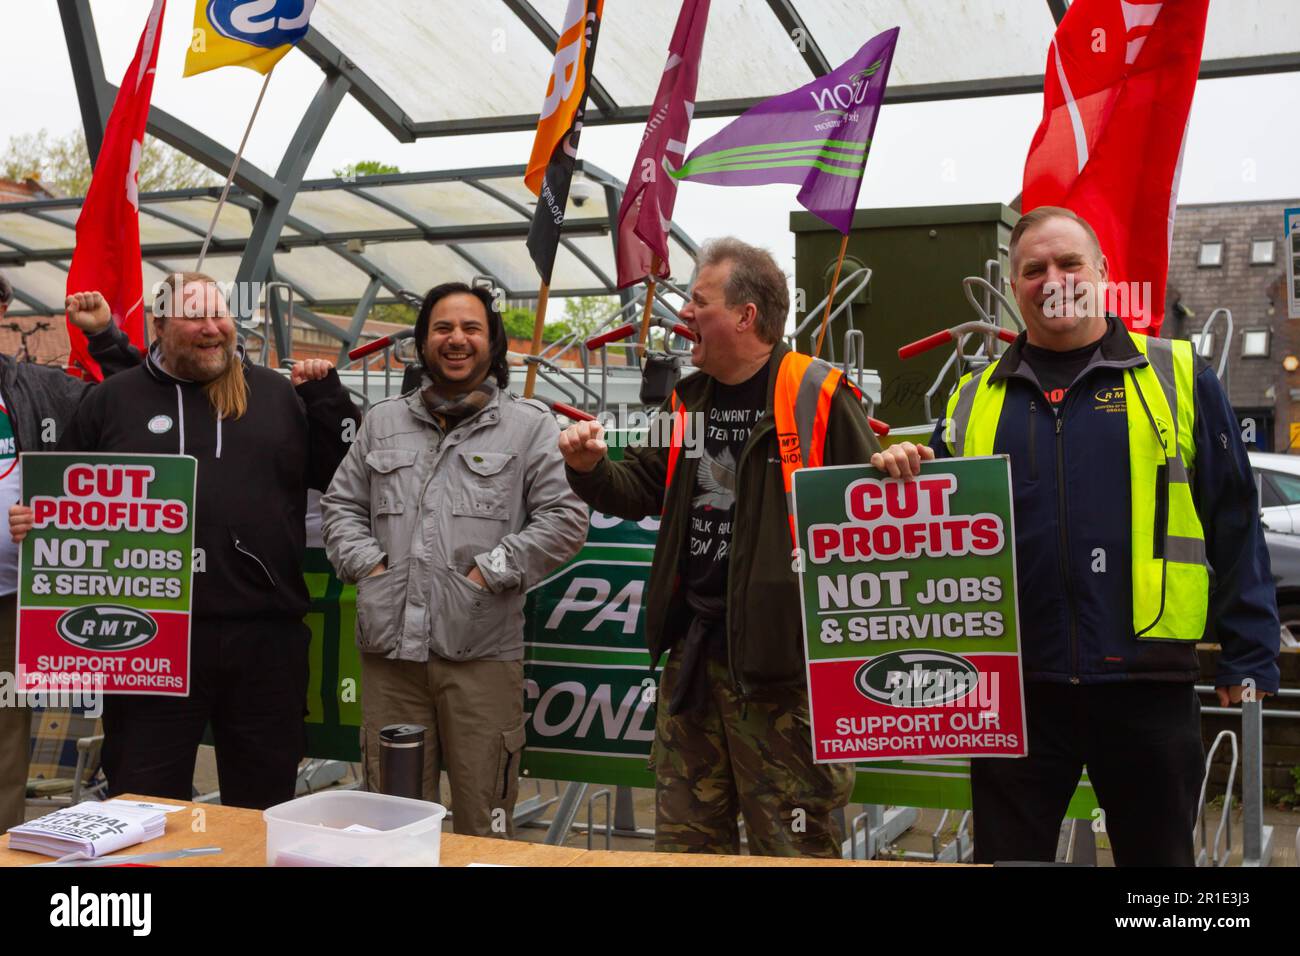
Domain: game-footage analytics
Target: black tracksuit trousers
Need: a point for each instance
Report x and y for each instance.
(1141, 743)
(248, 679)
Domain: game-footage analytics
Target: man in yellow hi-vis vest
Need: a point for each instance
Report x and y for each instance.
(732, 734)
(1137, 525)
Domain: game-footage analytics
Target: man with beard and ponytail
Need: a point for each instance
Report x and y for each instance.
(261, 441)
(451, 504)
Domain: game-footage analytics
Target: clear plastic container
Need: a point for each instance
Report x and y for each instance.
(353, 828)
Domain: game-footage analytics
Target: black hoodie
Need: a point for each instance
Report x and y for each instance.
(253, 473)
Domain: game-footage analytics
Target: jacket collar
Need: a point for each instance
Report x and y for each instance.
(1116, 350)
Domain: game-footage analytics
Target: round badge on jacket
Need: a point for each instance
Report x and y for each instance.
(160, 424)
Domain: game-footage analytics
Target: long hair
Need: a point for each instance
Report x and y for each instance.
(499, 365)
(228, 392)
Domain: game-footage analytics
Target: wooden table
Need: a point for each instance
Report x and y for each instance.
(242, 836)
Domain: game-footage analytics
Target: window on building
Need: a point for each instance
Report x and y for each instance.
(1261, 252)
(1254, 343)
(1211, 252)
(1203, 344)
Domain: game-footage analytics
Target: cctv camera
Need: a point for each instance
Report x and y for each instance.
(580, 191)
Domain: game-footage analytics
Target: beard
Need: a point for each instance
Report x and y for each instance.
(196, 365)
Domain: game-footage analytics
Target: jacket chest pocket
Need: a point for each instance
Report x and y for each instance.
(483, 484)
(390, 479)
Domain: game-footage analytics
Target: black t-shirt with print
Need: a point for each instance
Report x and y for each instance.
(736, 409)
(1056, 371)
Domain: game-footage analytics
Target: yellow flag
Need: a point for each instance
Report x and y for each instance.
(252, 33)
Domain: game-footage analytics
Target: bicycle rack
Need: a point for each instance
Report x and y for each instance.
(1222, 370)
(849, 289)
(609, 817)
(1205, 856)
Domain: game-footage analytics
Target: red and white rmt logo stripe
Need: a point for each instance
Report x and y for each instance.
(1139, 18)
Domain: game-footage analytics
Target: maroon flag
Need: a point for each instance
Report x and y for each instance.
(646, 213)
(107, 255)
(1116, 97)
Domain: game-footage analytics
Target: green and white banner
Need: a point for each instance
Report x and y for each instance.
(589, 689)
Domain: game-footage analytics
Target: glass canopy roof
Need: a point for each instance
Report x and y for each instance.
(407, 230)
(447, 68)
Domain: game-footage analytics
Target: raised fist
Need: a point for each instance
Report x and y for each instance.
(88, 311)
(583, 445)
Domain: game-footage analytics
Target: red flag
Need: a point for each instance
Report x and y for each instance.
(647, 209)
(107, 256)
(1116, 97)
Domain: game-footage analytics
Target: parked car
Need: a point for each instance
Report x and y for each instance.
(1279, 490)
(1284, 557)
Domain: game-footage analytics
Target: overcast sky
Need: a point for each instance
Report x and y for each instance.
(1244, 141)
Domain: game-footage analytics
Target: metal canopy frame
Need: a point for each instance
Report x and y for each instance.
(269, 197)
(458, 238)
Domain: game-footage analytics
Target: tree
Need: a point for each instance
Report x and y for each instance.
(62, 164)
(586, 313)
(519, 325)
(395, 312)
(365, 167)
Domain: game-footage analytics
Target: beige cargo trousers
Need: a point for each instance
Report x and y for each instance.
(473, 715)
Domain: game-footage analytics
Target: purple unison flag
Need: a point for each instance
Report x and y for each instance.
(816, 137)
(647, 209)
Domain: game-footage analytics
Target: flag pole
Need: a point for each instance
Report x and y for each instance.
(530, 383)
(830, 299)
(649, 299)
(225, 190)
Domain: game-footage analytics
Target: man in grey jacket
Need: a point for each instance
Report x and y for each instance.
(449, 506)
(36, 402)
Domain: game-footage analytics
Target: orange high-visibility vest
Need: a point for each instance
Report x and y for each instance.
(801, 405)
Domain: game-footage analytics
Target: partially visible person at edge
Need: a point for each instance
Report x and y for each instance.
(36, 403)
(1137, 525)
(261, 441)
(732, 735)
(449, 507)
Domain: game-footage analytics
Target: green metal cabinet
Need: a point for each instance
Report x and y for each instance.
(918, 256)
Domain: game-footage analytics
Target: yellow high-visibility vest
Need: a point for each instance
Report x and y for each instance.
(1171, 582)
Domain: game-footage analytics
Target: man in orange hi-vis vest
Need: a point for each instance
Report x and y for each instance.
(732, 733)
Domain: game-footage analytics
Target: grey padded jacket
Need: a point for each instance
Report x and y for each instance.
(491, 493)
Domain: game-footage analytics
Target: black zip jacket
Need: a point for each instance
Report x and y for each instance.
(253, 473)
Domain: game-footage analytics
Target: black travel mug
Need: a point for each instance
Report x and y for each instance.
(401, 760)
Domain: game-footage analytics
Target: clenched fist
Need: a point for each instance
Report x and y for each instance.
(88, 311)
(583, 445)
(309, 370)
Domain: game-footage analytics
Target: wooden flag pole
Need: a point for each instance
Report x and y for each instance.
(530, 383)
(649, 299)
(830, 299)
(225, 190)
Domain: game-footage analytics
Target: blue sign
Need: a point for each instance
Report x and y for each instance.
(262, 23)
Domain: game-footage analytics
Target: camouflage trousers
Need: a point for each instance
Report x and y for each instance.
(752, 758)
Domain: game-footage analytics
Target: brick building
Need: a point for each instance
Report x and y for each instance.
(1233, 256)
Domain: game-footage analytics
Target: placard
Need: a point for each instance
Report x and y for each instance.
(908, 591)
(104, 582)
